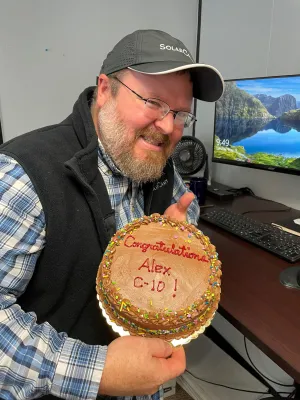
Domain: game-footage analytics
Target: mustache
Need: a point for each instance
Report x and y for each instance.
(157, 136)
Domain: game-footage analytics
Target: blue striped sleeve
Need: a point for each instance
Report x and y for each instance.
(179, 189)
(35, 359)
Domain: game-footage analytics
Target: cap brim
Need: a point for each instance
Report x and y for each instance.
(208, 84)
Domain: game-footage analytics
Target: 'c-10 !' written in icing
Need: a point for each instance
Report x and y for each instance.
(140, 282)
(182, 251)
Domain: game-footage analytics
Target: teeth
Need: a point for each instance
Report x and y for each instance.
(152, 141)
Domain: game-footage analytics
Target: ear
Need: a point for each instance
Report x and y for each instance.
(103, 90)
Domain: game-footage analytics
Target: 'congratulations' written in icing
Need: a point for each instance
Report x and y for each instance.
(182, 251)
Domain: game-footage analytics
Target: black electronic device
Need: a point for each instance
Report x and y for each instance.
(190, 157)
(257, 124)
(290, 277)
(266, 236)
(219, 191)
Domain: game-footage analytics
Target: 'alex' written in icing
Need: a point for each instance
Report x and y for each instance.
(155, 267)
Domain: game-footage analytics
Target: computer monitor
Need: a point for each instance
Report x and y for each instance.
(257, 124)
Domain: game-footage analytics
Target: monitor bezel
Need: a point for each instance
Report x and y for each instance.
(264, 167)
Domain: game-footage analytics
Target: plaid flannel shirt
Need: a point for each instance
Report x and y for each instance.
(35, 359)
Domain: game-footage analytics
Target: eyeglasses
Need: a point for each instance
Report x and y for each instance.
(158, 109)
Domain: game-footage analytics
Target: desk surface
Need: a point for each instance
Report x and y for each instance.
(253, 299)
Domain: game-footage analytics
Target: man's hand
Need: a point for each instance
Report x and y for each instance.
(179, 209)
(138, 366)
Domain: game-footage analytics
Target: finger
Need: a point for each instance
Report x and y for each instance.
(184, 202)
(174, 366)
(160, 348)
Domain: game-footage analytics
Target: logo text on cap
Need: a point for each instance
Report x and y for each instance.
(172, 48)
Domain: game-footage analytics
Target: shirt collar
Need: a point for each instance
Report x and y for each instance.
(108, 160)
(112, 168)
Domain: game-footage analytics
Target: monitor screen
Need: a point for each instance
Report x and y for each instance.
(257, 124)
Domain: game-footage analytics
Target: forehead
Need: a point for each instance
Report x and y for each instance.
(176, 89)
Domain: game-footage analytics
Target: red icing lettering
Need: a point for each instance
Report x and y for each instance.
(204, 259)
(136, 283)
(145, 265)
(158, 268)
(156, 287)
(181, 251)
(161, 285)
(153, 288)
(155, 267)
(175, 288)
(128, 239)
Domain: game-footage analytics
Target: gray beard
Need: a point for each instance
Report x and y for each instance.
(114, 138)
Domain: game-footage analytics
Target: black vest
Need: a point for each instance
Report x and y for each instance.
(62, 163)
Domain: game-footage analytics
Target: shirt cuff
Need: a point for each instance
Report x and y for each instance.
(193, 213)
(79, 370)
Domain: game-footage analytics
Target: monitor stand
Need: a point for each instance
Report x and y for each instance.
(290, 277)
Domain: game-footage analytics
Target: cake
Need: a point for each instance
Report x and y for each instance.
(159, 278)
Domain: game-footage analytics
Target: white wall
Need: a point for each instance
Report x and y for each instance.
(245, 39)
(50, 50)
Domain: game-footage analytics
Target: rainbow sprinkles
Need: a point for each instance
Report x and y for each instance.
(159, 278)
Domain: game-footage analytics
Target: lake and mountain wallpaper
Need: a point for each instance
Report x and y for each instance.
(257, 121)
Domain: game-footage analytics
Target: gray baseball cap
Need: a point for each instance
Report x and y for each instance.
(156, 53)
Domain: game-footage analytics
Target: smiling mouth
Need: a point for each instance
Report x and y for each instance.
(153, 141)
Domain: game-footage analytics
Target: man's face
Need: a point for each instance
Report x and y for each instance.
(139, 145)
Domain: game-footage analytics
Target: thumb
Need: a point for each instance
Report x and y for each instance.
(184, 202)
(173, 366)
(160, 348)
(177, 363)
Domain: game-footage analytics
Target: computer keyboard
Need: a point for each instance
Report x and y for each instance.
(266, 236)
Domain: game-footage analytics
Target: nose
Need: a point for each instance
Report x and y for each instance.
(165, 125)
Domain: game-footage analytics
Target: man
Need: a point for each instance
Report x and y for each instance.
(64, 191)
